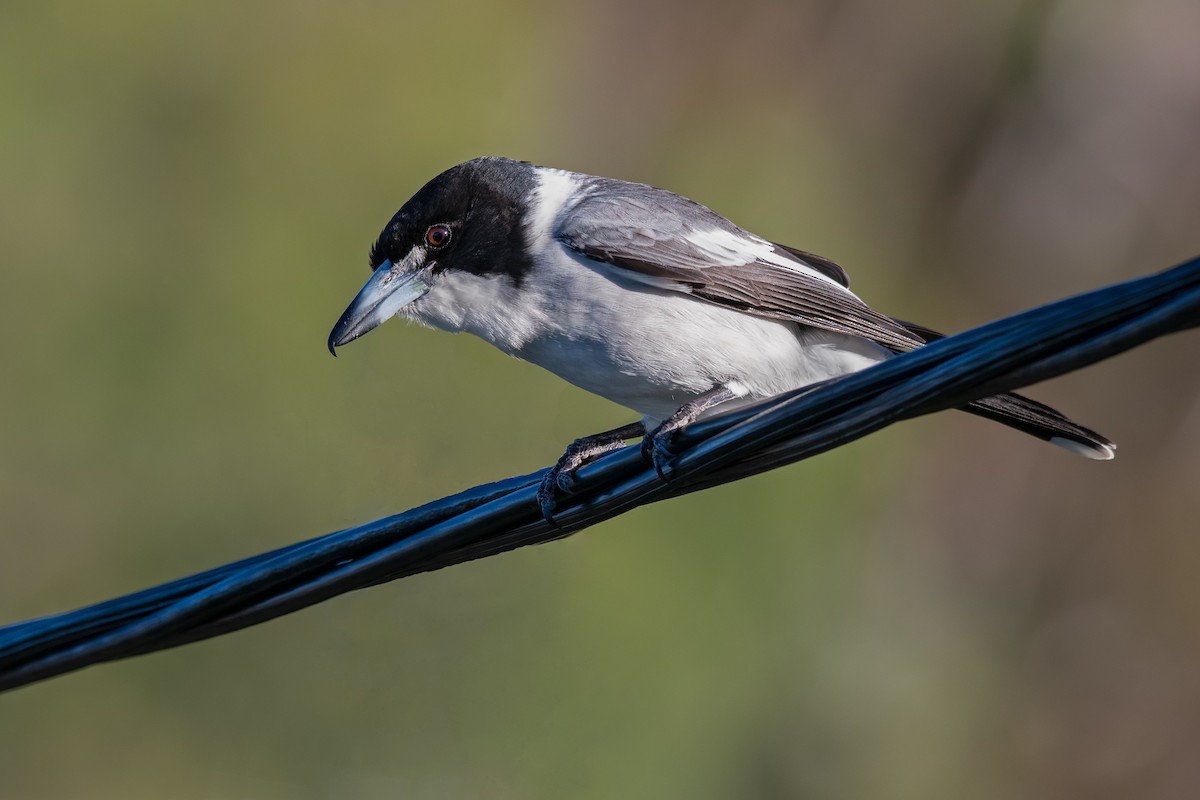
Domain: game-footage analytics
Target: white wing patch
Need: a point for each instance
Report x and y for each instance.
(729, 249)
(551, 198)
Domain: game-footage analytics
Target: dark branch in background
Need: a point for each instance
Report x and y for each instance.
(494, 518)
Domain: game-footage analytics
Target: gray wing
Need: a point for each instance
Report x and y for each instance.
(668, 241)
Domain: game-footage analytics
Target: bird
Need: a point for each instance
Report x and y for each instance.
(639, 295)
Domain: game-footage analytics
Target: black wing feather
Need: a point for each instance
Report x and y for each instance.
(829, 269)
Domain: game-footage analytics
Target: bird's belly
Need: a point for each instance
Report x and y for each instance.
(653, 351)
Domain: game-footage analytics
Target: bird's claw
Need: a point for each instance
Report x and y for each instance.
(657, 450)
(547, 494)
(657, 444)
(561, 477)
(559, 480)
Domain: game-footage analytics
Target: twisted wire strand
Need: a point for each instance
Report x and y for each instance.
(494, 518)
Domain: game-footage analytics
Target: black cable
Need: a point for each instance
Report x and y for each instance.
(494, 518)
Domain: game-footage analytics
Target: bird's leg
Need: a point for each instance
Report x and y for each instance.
(656, 446)
(588, 448)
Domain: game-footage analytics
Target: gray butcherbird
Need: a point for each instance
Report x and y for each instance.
(638, 295)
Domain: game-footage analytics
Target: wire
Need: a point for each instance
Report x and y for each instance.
(497, 517)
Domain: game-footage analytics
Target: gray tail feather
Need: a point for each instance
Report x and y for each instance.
(1030, 416)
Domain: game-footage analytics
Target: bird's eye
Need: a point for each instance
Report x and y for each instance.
(437, 236)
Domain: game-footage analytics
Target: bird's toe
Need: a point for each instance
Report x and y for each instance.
(547, 499)
(657, 449)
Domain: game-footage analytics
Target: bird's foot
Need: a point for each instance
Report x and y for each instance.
(657, 445)
(561, 477)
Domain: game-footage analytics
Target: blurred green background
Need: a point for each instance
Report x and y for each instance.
(945, 610)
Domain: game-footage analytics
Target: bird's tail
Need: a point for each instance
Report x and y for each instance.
(1032, 417)
(1043, 422)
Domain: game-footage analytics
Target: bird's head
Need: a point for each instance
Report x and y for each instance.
(469, 219)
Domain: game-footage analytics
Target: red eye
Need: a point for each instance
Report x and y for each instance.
(437, 236)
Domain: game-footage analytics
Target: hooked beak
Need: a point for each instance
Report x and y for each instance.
(390, 289)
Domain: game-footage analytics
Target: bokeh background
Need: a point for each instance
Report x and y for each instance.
(945, 610)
